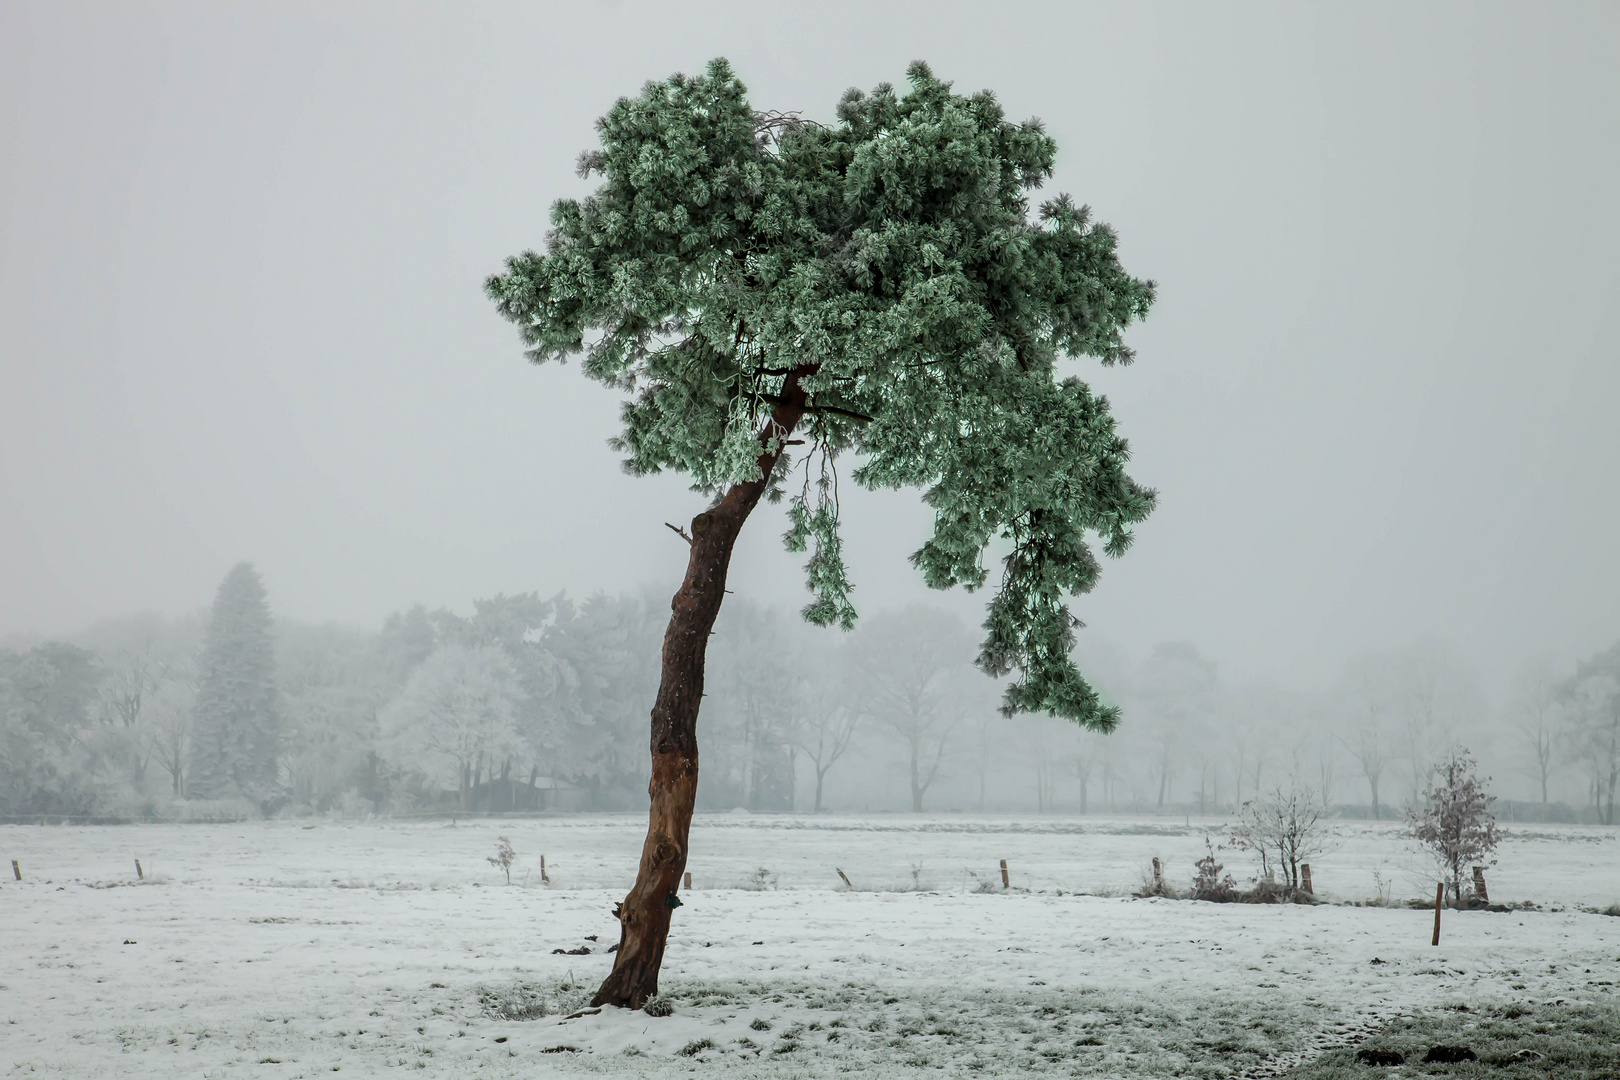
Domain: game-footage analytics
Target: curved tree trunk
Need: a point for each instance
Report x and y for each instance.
(645, 913)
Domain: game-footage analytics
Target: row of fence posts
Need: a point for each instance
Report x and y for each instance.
(16, 871)
(1006, 883)
(1158, 876)
(1305, 883)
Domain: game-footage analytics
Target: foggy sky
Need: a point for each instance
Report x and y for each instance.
(242, 249)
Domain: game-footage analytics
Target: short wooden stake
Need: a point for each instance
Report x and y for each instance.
(689, 879)
(1305, 878)
(845, 876)
(544, 878)
(17, 873)
(1439, 898)
(138, 871)
(1158, 873)
(1479, 885)
(1006, 882)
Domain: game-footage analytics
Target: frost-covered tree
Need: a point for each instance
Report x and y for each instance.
(47, 747)
(331, 689)
(523, 627)
(755, 691)
(1592, 731)
(457, 715)
(609, 646)
(236, 722)
(755, 282)
(1454, 823)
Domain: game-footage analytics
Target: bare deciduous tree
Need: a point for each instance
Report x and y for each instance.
(1285, 827)
(1593, 729)
(1045, 740)
(907, 659)
(166, 724)
(1536, 716)
(825, 728)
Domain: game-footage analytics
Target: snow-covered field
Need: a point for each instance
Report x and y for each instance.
(288, 949)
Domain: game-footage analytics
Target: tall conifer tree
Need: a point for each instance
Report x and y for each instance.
(237, 721)
(877, 286)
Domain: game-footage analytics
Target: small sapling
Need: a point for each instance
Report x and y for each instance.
(504, 857)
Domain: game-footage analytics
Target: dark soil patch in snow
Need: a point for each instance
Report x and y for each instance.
(1569, 1040)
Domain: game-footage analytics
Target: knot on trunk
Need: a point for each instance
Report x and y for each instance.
(666, 852)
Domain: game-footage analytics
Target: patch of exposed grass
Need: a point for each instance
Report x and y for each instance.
(530, 1000)
(1570, 1041)
(1039, 1031)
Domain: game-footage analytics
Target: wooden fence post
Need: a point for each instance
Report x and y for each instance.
(1439, 898)
(1006, 882)
(845, 877)
(17, 873)
(688, 880)
(1305, 878)
(1158, 874)
(1479, 885)
(138, 871)
(545, 879)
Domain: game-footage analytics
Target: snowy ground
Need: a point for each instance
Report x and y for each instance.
(287, 949)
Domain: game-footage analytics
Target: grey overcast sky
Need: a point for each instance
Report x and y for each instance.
(242, 248)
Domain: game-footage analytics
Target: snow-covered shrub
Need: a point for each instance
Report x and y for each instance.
(760, 880)
(1209, 883)
(353, 806)
(1382, 886)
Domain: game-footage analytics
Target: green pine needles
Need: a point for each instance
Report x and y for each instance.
(889, 264)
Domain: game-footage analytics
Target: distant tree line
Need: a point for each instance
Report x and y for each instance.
(526, 703)
(540, 703)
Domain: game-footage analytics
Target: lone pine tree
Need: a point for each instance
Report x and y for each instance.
(236, 723)
(756, 282)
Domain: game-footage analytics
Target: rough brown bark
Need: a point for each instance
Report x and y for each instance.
(644, 914)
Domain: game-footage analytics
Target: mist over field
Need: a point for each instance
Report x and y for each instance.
(532, 703)
(1256, 404)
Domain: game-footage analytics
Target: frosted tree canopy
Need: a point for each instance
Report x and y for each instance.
(889, 266)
